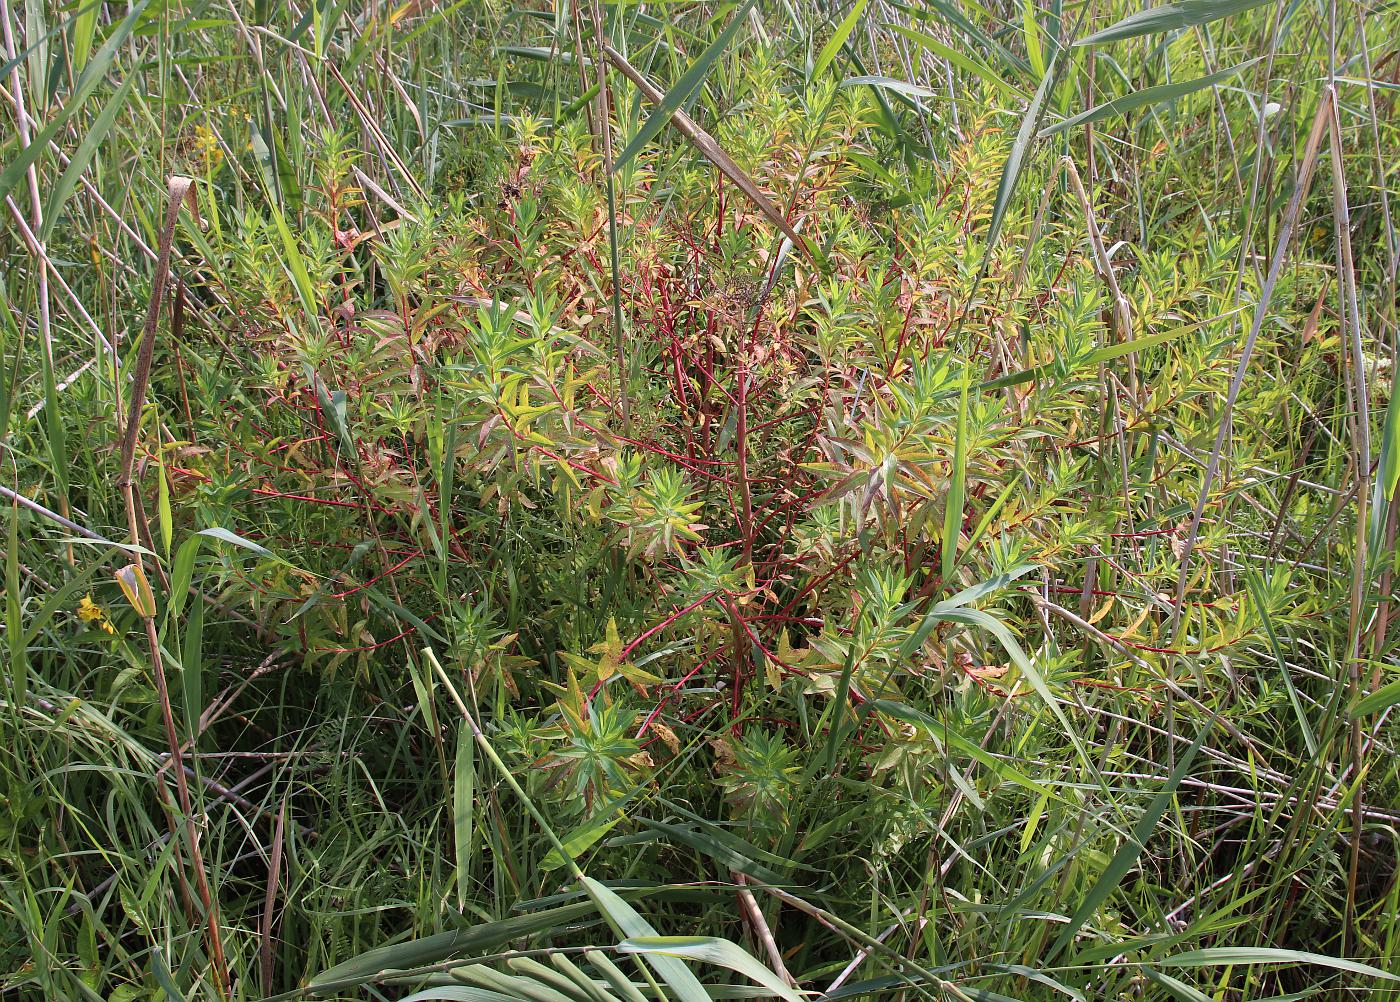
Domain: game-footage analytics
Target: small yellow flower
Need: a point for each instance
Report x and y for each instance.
(93, 614)
(206, 147)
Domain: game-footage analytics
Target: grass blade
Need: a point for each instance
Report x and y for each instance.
(706, 144)
(1221, 956)
(1128, 853)
(93, 74)
(429, 950)
(891, 84)
(1160, 94)
(693, 77)
(1382, 699)
(957, 489)
(1030, 28)
(960, 59)
(1016, 159)
(82, 157)
(632, 926)
(1169, 17)
(1099, 355)
(838, 38)
(711, 950)
(463, 800)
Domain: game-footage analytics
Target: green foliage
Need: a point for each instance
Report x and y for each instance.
(834, 616)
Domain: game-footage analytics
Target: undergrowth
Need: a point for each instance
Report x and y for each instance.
(978, 587)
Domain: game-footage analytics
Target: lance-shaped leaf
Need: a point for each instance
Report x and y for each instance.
(889, 83)
(93, 74)
(624, 918)
(481, 938)
(1145, 97)
(684, 87)
(706, 144)
(1016, 159)
(1127, 855)
(1169, 17)
(963, 60)
(1222, 956)
(838, 39)
(712, 951)
(1383, 698)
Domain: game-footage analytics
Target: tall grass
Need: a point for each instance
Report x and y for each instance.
(613, 501)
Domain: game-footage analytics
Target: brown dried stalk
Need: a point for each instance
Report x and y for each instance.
(706, 144)
(179, 192)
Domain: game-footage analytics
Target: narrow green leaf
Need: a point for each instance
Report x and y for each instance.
(567, 988)
(1383, 698)
(957, 488)
(721, 834)
(580, 840)
(684, 87)
(1169, 17)
(589, 984)
(334, 407)
(14, 610)
(93, 74)
(875, 987)
(1016, 159)
(192, 667)
(225, 536)
(889, 83)
(1101, 355)
(713, 846)
(712, 151)
(998, 629)
(711, 950)
(459, 993)
(161, 971)
(838, 38)
(57, 439)
(962, 60)
(1255, 586)
(182, 574)
(1178, 989)
(164, 514)
(951, 14)
(1127, 855)
(625, 919)
(1387, 474)
(958, 742)
(1220, 956)
(295, 265)
(463, 801)
(1145, 97)
(982, 589)
(1041, 978)
(524, 988)
(619, 981)
(446, 484)
(84, 28)
(458, 943)
(82, 156)
(1030, 28)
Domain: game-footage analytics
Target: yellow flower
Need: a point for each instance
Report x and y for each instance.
(206, 147)
(93, 614)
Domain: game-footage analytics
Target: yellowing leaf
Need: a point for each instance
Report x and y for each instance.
(667, 736)
(137, 590)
